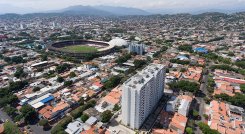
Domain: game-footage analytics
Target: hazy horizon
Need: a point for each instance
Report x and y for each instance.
(28, 6)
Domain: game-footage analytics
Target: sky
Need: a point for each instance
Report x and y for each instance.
(42, 5)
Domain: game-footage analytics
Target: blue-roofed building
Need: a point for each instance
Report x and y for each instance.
(47, 99)
(200, 50)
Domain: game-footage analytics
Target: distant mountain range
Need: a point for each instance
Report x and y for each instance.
(101, 11)
(115, 11)
(82, 10)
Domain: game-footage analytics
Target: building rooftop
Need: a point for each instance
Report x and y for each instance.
(91, 120)
(225, 118)
(75, 127)
(143, 76)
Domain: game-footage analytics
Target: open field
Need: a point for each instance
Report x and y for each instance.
(80, 49)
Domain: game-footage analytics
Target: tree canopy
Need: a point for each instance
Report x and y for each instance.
(28, 113)
(61, 126)
(60, 79)
(113, 82)
(84, 117)
(187, 48)
(106, 116)
(14, 59)
(185, 86)
(206, 129)
(10, 128)
(68, 83)
(139, 63)
(242, 88)
(72, 74)
(123, 59)
(189, 130)
(63, 67)
(240, 64)
(182, 62)
(6, 94)
(20, 73)
(237, 100)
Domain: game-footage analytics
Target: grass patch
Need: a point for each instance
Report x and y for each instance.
(80, 49)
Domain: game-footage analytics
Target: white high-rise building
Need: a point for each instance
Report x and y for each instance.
(137, 48)
(141, 94)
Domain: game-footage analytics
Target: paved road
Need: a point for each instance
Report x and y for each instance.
(4, 116)
(38, 129)
(200, 100)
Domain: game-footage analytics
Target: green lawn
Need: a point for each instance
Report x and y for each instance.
(80, 48)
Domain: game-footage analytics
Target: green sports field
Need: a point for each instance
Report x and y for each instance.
(80, 49)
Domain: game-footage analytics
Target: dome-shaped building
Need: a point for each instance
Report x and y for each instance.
(118, 42)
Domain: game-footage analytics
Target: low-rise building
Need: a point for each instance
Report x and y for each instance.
(226, 118)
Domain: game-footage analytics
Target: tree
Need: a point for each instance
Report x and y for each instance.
(112, 82)
(43, 122)
(182, 70)
(28, 113)
(63, 67)
(10, 128)
(20, 73)
(182, 62)
(195, 113)
(237, 100)
(68, 83)
(156, 54)
(167, 70)
(242, 88)
(44, 57)
(106, 38)
(231, 54)
(189, 130)
(10, 110)
(89, 56)
(206, 129)
(139, 63)
(185, 86)
(16, 86)
(18, 118)
(205, 116)
(116, 107)
(35, 89)
(163, 49)
(123, 59)
(106, 116)
(60, 79)
(17, 59)
(148, 58)
(78, 111)
(72, 74)
(84, 117)
(187, 48)
(7, 59)
(103, 94)
(241, 64)
(60, 127)
(88, 36)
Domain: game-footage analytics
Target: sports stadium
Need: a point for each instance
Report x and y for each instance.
(81, 48)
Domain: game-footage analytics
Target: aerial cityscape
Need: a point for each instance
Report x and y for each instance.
(122, 67)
